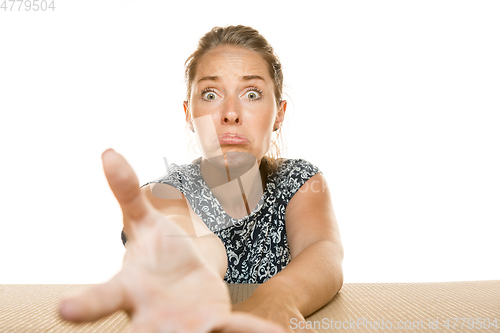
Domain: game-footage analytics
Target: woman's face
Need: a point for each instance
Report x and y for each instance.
(233, 94)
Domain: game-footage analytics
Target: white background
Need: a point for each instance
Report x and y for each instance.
(397, 102)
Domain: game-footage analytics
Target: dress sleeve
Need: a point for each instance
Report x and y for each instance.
(298, 173)
(124, 238)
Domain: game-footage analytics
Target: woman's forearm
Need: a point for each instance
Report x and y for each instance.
(308, 282)
(210, 247)
(211, 250)
(170, 202)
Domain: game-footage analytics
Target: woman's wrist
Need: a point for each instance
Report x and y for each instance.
(275, 292)
(272, 302)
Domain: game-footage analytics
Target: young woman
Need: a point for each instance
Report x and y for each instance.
(235, 214)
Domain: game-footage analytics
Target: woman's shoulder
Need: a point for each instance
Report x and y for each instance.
(291, 174)
(179, 174)
(291, 167)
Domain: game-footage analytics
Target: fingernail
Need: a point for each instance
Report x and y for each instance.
(106, 151)
(68, 309)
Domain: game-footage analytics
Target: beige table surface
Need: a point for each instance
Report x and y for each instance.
(33, 308)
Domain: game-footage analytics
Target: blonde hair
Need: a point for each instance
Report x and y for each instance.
(251, 39)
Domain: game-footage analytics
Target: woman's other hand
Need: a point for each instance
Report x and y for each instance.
(164, 285)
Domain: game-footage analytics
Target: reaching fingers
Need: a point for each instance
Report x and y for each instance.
(246, 323)
(94, 303)
(125, 185)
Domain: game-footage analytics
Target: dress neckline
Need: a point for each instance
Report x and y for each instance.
(270, 182)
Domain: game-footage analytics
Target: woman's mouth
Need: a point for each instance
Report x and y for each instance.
(232, 139)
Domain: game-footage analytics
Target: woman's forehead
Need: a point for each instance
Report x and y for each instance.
(231, 61)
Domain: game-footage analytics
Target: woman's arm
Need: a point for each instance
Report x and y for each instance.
(165, 283)
(314, 275)
(179, 211)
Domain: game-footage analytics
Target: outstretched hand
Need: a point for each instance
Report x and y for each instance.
(164, 285)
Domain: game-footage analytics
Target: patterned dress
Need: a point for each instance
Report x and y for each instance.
(256, 245)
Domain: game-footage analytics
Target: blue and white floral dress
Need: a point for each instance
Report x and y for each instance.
(256, 245)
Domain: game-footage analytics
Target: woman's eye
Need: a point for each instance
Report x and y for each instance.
(210, 96)
(252, 95)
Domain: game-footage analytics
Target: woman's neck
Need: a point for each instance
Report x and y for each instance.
(238, 188)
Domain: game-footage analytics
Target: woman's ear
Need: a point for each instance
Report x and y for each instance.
(281, 115)
(188, 116)
(186, 110)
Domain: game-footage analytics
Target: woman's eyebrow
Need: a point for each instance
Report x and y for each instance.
(212, 78)
(243, 78)
(251, 77)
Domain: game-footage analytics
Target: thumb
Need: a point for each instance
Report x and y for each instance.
(125, 186)
(94, 303)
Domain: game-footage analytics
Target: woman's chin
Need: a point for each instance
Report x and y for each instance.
(236, 160)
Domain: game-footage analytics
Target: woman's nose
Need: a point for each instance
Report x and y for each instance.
(231, 113)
